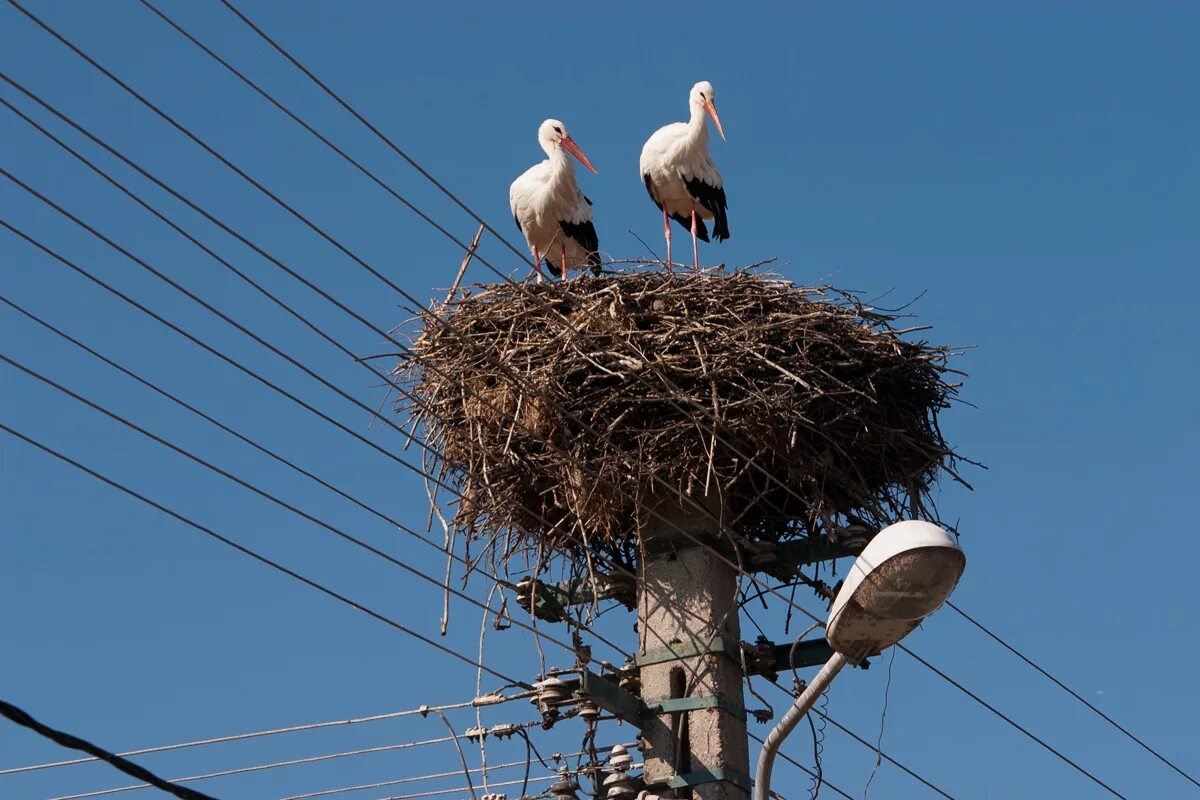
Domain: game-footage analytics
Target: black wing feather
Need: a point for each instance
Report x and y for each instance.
(584, 233)
(684, 222)
(713, 199)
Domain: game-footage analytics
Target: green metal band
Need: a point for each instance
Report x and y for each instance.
(671, 705)
(675, 652)
(709, 776)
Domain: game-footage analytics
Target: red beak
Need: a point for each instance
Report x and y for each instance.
(712, 112)
(569, 145)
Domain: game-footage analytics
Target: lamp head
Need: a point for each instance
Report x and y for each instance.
(901, 577)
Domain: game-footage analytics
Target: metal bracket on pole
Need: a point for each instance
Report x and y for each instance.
(670, 705)
(680, 650)
(610, 697)
(551, 600)
(709, 776)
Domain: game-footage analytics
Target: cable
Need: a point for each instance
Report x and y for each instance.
(258, 491)
(259, 558)
(60, 258)
(237, 272)
(295, 213)
(805, 769)
(257, 185)
(380, 784)
(727, 559)
(253, 735)
(1011, 722)
(871, 747)
(1072, 692)
(379, 134)
(387, 748)
(245, 370)
(75, 743)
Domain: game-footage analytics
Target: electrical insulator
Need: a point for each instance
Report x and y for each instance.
(565, 788)
(619, 759)
(525, 590)
(619, 786)
(588, 711)
(631, 679)
(550, 694)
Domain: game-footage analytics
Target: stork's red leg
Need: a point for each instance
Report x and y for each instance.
(563, 246)
(695, 247)
(537, 263)
(667, 235)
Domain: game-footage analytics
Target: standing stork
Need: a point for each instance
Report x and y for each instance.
(681, 177)
(549, 208)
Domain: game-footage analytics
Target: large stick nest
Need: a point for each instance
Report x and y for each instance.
(561, 411)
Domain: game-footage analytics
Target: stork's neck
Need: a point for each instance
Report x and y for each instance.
(698, 125)
(561, 167)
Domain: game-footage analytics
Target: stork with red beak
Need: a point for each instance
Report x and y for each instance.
(554, 215)
(681, 177)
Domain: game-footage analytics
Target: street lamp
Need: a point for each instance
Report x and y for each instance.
(900, 578)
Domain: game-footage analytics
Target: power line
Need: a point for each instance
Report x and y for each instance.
(1071, 692)
(378, 133)
(262, 492)
(23, 718)
(393, 146)
(387, 748)
(260, 558)
(125, 252)
(1011, 722)
(241, 275)
(245, 370)
(418, 778)
(80, 344)
(255, 735)
(316, 229)
(806, 770)
(289, 208)
(272, 454)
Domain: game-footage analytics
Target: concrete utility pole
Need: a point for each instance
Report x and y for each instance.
(688, 633)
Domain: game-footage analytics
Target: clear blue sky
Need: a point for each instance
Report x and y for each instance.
(1032, 169)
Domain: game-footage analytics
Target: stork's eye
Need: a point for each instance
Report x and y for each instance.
(558, 130)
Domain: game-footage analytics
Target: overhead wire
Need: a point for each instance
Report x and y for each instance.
(64, 739)
(111, 242)
(418, 778)
(292, 762)
(1010, 648)
(119, 82)
(275, 565)
(250, 281)
(333, 529)
(237, 737)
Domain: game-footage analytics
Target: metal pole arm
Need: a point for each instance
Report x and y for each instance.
(766, 760)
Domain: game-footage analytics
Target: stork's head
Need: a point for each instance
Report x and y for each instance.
(552, 135)
(704, 98)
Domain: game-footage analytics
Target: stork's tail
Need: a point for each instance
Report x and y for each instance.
(721, 225)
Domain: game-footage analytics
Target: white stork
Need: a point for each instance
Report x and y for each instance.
(681, 177)
(550, 209)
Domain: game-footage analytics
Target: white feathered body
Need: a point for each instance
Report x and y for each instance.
(550, 210)
(680, 174)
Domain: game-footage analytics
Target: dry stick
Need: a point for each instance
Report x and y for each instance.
(462, 270)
